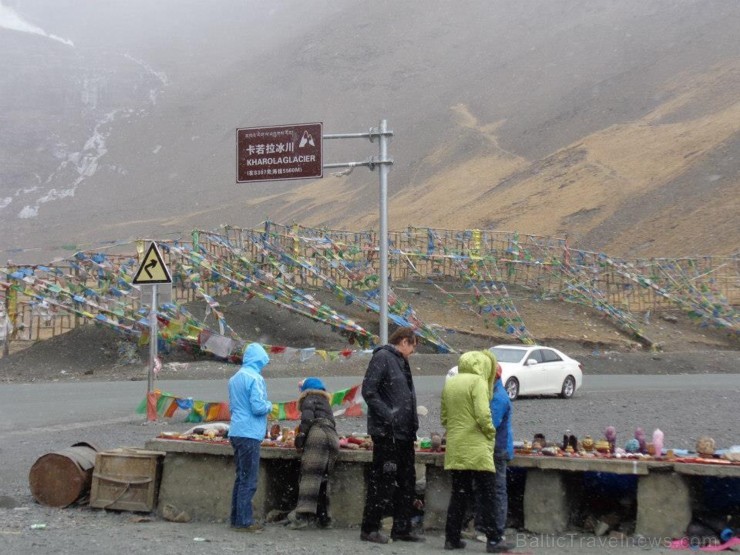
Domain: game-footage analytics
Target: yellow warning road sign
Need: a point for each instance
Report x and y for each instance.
(152, 268)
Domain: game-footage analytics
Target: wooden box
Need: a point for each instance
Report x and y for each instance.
(126, 479)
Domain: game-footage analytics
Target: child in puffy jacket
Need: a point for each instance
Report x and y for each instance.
(319, 443)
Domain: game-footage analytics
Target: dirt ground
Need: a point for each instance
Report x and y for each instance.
(679, 344)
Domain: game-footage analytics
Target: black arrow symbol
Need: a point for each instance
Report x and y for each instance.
(151, 265)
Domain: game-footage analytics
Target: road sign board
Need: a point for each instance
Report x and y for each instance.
(152, 268)
(279, 153)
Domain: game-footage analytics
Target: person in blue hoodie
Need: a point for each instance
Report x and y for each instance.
(249, 409)
(503, 452)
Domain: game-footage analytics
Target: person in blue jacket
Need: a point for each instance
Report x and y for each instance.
(249, 409)
(503, 452)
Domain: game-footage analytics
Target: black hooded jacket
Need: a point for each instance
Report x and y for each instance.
(388, 390)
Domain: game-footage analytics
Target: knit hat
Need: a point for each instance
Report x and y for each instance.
(312, 383)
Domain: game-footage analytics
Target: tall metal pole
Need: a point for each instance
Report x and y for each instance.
(153, 333)
(384, 163)
(383, 176)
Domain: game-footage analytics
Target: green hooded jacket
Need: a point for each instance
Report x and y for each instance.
(466, 415)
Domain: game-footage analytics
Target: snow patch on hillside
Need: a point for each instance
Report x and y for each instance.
(10, 19)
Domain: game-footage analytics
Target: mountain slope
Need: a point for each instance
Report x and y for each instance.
(614, 123)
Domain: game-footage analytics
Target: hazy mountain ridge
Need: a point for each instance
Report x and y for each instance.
(614, 123)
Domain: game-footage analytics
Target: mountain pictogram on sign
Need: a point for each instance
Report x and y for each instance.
(152, 268)
(307, 138)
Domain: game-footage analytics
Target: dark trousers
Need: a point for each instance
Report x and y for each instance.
(501, 511)
(322, 509)
(392, 468)
(467, 487)
(502, 497)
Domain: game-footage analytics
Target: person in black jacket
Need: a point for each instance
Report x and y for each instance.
(319, 442)
(392, 422)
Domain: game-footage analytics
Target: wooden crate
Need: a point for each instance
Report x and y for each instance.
(126, 479)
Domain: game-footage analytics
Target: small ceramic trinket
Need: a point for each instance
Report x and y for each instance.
(705, 447)
(539, 441)
(640, 437)
(658, 442)
(602, 446)
(632, 446)
(611, 436)
(588, 444)
(436, 442)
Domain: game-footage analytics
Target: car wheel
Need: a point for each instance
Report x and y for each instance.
(569, 387)
(512, 388)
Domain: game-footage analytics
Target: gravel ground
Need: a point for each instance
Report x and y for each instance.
(83, 530)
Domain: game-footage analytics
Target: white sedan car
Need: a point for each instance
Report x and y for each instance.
(536, 370)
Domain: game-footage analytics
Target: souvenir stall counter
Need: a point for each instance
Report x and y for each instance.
(197, 476)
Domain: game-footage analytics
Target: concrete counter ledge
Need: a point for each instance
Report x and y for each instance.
(198, 477)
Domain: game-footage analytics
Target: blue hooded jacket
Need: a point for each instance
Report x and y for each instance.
(501, 413)
(248, 395)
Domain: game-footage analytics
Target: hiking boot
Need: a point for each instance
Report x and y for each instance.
(500, 546)
(407, 537)
(298, 524)
(254, 528)
(459, 544)
(299, 521)
(374, 537)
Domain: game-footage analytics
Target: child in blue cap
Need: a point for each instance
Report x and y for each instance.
(320, 444)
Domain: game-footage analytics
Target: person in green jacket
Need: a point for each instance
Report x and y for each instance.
(466, 415)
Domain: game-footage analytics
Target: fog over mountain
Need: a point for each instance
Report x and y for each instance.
(614, 122)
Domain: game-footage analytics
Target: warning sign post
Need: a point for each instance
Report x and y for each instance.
(152, 268)
(152, 271)
(279, 153)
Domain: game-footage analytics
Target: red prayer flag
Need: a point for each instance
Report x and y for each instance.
(151, 406)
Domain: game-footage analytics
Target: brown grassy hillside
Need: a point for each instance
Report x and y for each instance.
(621, 189)
(616, 123)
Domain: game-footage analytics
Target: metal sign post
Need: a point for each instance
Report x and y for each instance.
(153, 333)
(384, 162)
(277, 153)
(152, 271)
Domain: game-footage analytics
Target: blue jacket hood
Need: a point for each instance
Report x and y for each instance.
(255, 357)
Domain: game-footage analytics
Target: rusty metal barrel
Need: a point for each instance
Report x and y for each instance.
(60, 478)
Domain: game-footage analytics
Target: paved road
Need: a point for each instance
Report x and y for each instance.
(43, 417)
(29, 406)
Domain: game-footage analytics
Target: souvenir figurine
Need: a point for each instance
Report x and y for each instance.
(658, 442)
(539, 441)
(705, 447)
(632, 446)
(436, 442)
(640, 437)
(611, 436)
(587, 444)
(602, 446)
(566, 440)
(573, 442)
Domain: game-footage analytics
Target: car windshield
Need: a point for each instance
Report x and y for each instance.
(506, 354)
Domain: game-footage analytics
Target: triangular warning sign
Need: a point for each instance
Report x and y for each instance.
(152, 268)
